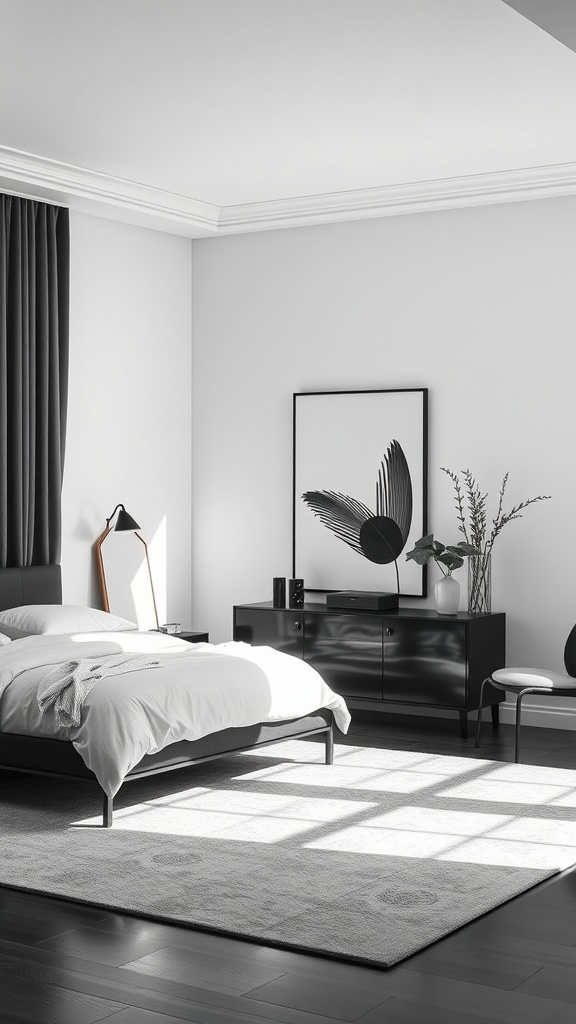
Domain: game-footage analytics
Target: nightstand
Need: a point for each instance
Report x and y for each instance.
(192, 638)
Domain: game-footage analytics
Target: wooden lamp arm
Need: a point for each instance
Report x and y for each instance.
(136, 534)
(100, 566)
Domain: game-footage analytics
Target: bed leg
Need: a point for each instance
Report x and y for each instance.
(107, 810)
(329, 740)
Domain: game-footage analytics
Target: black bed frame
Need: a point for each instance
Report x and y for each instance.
(59, 758)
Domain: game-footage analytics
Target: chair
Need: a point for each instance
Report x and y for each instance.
(533, 680)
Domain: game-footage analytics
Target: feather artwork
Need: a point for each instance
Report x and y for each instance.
(394, 489)
(381, 536)
(343, 515)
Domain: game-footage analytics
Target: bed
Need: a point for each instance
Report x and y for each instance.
(233, 683)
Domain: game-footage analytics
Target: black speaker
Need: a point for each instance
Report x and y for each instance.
(279, 591)
(295, 593)
(362, 600)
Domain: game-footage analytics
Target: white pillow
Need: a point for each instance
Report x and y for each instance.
(4, 639)
(62, 618)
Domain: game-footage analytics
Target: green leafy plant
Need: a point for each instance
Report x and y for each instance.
(475, 528)
(447, 558)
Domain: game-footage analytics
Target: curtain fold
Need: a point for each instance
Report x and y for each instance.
(34, 340)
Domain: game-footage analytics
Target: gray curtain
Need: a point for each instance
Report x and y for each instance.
(34, 327)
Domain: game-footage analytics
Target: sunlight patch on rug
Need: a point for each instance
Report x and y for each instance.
(369, 859)
(234, 816)
(410, 831)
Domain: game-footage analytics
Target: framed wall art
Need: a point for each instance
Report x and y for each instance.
(360, 489)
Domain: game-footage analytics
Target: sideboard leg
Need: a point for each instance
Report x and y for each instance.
(463, 724)
(329, 740)
(107, 811)
(495, 710)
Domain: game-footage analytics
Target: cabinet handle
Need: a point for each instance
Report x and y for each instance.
(297, 625)
(389, 631)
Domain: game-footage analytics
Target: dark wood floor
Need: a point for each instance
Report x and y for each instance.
(70, 964)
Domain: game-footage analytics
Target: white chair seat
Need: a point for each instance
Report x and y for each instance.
(521, 678)
(522, 681)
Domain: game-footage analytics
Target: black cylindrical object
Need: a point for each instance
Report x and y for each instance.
(279, 591)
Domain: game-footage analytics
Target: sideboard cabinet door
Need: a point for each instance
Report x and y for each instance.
(271, 627)
(425, 662)
(347, 652)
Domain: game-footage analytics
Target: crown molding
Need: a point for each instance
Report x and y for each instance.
(81, 188)
(414, 197)
(121, 199)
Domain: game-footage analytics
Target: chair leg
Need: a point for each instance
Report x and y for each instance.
(107, 811)
(480, 706)
(518, 723)
(329, 740)
(529, 689)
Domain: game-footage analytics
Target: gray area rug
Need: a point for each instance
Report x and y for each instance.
(369, 859)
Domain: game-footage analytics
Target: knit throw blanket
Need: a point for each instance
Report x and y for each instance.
(66, 687)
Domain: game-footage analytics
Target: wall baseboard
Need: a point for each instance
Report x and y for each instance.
(545, 716)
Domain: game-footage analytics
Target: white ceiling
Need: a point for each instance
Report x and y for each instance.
(210, 116)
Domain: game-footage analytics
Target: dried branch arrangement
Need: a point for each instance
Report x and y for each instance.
(472, 513)
(471, 510)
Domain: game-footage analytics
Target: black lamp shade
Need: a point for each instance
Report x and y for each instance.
(125, 521)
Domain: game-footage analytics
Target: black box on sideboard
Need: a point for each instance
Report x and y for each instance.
(363, 600)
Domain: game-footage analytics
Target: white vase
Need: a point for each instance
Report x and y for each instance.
(447, 595)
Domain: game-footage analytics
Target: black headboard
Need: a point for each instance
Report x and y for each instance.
(31, 584)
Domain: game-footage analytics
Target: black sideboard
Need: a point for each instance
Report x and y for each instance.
(408, 656)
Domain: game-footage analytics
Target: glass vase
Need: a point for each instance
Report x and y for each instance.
(479, 584)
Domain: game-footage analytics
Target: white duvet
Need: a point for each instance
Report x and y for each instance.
(196, 689)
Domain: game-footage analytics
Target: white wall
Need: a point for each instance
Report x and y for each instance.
(129, 417)
(478, 305)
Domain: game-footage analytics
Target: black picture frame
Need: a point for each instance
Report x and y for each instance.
(360, 489)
